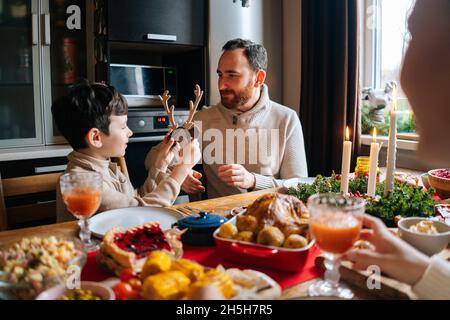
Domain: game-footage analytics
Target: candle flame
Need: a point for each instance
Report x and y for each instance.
(374, 134)
(347, 134)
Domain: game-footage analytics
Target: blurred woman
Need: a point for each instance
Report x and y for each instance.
(426, 81)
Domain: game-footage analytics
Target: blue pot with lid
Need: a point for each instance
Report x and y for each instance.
(200, 228)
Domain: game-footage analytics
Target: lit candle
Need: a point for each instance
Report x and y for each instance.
(374, 151)
(392, 146)
(346, 156)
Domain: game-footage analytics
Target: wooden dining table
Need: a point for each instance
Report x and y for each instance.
(357, 281)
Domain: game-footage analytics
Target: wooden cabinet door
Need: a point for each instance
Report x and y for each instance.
(161, 21)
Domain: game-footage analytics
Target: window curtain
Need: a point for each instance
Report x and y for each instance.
(330, 82)
(3, 216)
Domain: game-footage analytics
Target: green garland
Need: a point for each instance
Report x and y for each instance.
(405, 200)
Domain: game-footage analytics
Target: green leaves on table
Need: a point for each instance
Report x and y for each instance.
(405, 200)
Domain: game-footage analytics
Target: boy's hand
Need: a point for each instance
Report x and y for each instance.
(191, 154)
(166, 154)
(235, 175)
(192, 183)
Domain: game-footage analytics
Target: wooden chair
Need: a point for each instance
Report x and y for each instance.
(27, 186)
(122, 164)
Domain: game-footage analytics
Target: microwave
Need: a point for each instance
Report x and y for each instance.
(142, 85)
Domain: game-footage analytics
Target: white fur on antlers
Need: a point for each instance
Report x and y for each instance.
(192, 108)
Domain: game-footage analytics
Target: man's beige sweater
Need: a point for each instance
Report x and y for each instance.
(159, 190)
(273, 165)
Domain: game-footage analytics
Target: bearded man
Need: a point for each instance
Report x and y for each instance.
(249, 142)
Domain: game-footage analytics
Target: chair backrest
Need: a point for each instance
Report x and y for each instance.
(122, 164)
(25, 186)
(28, 186)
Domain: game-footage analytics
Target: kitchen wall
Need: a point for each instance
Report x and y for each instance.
(262, 23)
(291, 53)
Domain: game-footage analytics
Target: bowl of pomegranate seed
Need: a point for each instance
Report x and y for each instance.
(440, 180)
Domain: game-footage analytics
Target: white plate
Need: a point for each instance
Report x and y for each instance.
(263, 287)
(295, 181)
(131, 217)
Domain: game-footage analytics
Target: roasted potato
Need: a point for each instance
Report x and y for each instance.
(247, 236)
(295, 229)
(270, 236)
(295, 241)
(228, 231)
(246, 223)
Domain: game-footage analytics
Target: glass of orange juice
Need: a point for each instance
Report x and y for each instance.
(82, 194)
(335, 224)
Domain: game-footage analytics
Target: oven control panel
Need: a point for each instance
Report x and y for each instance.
(152, 122)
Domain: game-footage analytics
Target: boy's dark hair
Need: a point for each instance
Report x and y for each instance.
(87, 106)
(256, 54)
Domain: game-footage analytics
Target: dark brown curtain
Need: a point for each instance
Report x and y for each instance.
(3, 215)
(330, 81)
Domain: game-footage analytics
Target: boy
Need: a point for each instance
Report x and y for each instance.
(93, 119)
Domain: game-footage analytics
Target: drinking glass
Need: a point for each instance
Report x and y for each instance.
(82, 194)
(335, 224)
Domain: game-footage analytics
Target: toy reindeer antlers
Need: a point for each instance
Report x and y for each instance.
(165, 101)
(192, 108)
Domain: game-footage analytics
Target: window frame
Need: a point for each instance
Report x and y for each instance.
(371, 66)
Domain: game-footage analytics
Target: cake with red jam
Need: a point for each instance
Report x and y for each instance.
(123, 249)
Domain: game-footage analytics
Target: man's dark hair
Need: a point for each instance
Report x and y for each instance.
(87, 106)
(256, 54)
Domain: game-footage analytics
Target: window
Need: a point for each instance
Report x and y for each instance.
(386, 39)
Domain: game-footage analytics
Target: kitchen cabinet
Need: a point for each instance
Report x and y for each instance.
(24, 217)
(45, 49)
(164, 21)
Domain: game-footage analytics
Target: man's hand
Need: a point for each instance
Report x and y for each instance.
(235, 175)
(192, 184)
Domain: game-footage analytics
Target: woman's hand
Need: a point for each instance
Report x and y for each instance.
(392, 255)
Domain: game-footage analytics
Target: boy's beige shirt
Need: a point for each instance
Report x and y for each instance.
(159, 190)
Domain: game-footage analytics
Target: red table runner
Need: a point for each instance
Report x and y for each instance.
(209, 257)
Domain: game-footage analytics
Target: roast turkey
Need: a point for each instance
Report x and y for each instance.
(285, 212)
